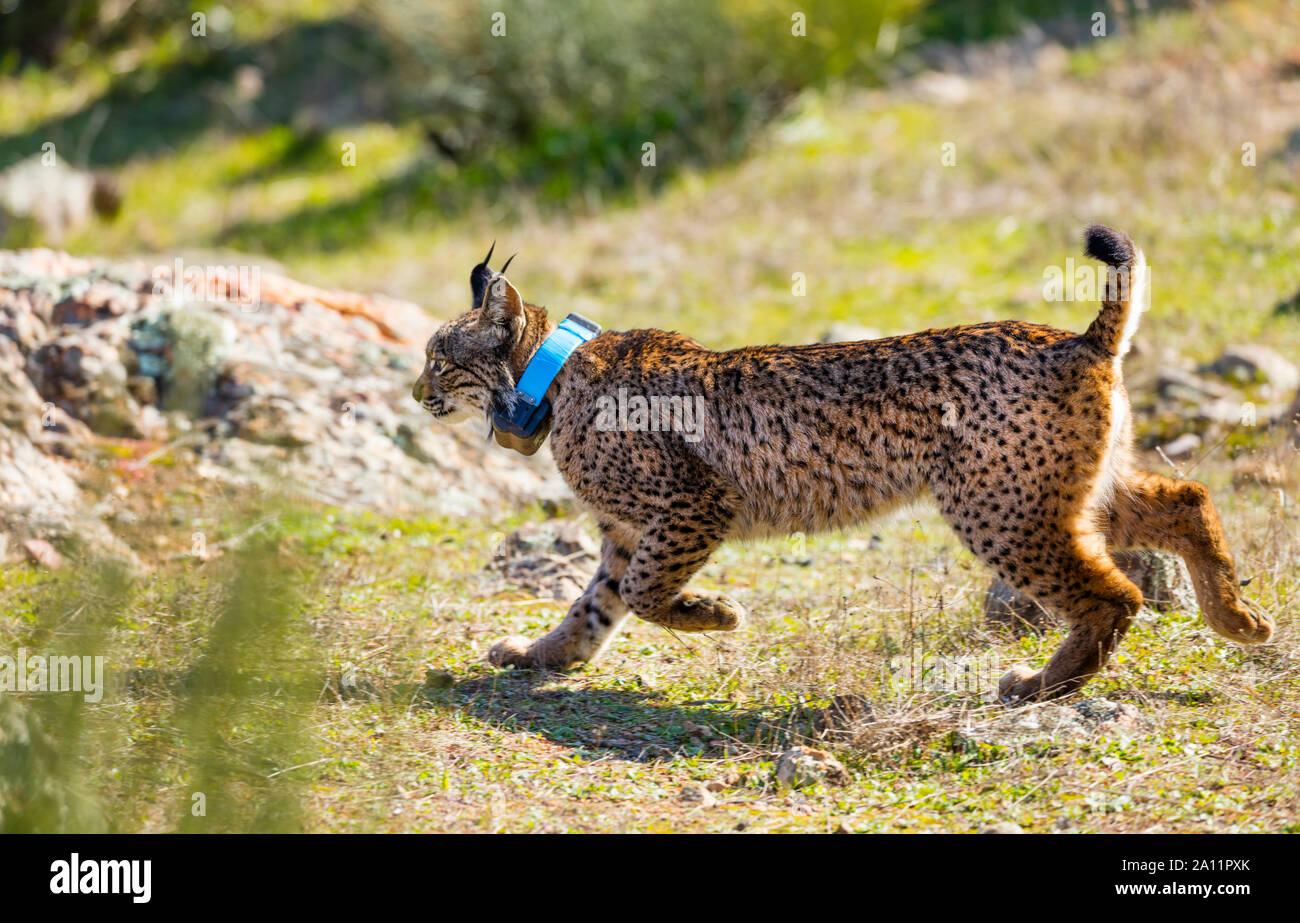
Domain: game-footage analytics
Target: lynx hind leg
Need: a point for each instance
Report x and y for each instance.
(592, 622)
(1098, 602)
(1153, 511)
(1043, 554)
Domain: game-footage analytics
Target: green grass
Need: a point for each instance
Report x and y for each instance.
(282, 742)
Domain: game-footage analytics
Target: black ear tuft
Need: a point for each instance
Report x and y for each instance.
(479, 278)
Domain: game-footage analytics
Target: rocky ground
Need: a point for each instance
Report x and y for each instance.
(109, 374)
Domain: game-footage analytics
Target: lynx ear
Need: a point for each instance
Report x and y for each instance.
(479, 278)
(502, 306)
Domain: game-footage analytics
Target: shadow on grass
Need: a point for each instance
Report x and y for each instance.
(638, 725)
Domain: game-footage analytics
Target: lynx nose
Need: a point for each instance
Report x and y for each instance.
(417, 390)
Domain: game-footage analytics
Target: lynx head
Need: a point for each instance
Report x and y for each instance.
(471, 363)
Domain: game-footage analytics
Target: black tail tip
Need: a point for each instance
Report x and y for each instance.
(1112, 247)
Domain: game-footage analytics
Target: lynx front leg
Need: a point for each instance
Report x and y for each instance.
(593, 621)
(670, 551)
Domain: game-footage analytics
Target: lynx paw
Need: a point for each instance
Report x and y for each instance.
(524, 653)
(1245, 622)
(1020, 684)
(696, 611)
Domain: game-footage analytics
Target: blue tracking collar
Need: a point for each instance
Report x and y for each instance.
(532, 406)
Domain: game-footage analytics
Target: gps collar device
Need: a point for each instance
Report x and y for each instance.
(526, 427)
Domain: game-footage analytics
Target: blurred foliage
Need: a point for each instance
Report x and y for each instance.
(221, 715)
(963, 20)
(41, 31)
(562, 104)
(566, 98)
(247, 698)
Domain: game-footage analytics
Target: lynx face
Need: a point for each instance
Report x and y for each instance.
(462, 373)
(468, 362)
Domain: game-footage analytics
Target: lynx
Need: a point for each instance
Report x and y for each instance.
(1021, 434)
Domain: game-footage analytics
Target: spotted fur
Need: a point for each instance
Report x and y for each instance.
(1021, 434)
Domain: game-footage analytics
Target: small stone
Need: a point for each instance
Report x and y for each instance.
(42, 552)
(1265, 472)
(1106, 715)
(1253, 363)
(699, 730)
(799, 767)
(1183, 446)
(698, 794)
(1003, 826)
(1236, 413)
(1176, 384)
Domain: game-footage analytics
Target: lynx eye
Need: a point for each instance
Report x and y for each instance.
(437, 365)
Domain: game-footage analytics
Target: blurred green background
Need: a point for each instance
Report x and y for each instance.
(380, 144)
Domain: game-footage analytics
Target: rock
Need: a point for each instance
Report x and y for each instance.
(800, 767)
(942, 88)
(697, 794)
(555, 558)
(40, 500)
(1161, 576)
(1235, 413)
(1176, 384)
(848, 333)
(1051, 724)
(43, 553)
(1003, 826)
(1110, 716)
(1185, 445)
(1256, 364)
(1265, 472)
(58, 197)
(274, 385)
(702, 731)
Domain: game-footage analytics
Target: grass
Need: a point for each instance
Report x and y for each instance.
(361, 701)
(334, 722)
